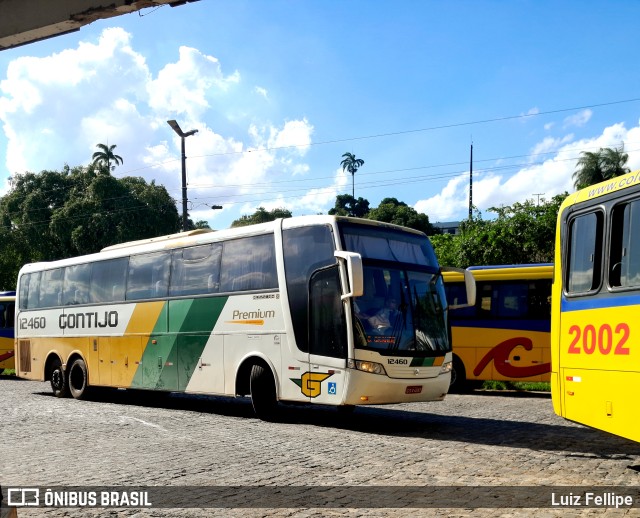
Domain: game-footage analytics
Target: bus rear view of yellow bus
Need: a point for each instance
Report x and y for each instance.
(595, 304)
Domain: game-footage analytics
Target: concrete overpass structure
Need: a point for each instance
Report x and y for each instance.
(26, 21)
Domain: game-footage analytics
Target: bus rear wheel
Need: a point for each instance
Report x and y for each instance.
(59, 381)
(263, 393)
(78, 379)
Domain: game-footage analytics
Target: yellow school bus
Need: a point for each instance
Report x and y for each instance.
(595, 354)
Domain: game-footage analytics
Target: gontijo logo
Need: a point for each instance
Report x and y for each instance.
(254, 318)
(310, 383)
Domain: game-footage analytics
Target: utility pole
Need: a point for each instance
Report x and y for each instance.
(174, 125)
(538, 194)
(471, 183)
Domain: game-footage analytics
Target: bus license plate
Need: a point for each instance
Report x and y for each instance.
(416, 389)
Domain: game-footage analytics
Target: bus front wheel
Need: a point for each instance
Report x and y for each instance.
(78, 379)
(458, 377)
(59, 381)
(263, 393)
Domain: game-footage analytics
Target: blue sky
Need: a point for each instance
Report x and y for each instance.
(279, 90)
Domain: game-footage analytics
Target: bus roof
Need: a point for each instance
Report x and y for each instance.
(600, 189)
(505, 272)
(203, 236)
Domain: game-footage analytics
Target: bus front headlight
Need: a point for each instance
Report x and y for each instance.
(446, 367)
(366, 366)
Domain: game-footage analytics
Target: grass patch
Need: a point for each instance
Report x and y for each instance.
(537, 386)
(8, 372)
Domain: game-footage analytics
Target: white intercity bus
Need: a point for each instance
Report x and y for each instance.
(292, 310)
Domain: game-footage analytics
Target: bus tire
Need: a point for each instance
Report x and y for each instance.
(263, 392)
(458, 382)
(59, 381)
(78, 379)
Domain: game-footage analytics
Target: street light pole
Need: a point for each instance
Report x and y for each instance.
(174, 125)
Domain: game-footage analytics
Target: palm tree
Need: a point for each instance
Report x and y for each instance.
(351, 164)
(106, 155)
(604, 164)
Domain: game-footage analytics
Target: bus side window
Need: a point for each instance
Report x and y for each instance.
(191, 266)
(457, 294)
(145, 271)
(584, 255)
(11, 313)
(249, 264)
(624, 256)
(30, 290)
(51, 288)
(108, 280)
(76, 284)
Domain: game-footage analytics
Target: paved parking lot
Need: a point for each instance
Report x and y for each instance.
(478, 440)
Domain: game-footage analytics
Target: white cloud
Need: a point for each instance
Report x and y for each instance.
(261, 91)
(553, 176)
(56, 109)
(579, 119)
(548, 145)
(46, 103)
(187, 86)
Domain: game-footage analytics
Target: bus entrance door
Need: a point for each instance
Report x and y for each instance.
(328, 339)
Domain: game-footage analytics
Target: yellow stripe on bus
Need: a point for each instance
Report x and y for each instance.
(144, 318)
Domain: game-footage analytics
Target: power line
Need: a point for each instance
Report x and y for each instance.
(367, 185)
(387, 134)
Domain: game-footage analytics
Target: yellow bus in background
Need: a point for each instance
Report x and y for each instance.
(7, 315)
(504, 336)
(596, 306)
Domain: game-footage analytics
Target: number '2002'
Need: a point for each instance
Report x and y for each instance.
(605, 339)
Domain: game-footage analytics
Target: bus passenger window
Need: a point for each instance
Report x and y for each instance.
(148, 275)
(196, 270)
(76, 284)
(51, 288)
(249, 264)
(585, 253)
(108, 280)
(624, 256)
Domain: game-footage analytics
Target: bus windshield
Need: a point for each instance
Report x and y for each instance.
(402, 309)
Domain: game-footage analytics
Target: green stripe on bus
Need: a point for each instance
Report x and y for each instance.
(422, 362)
(170, 358)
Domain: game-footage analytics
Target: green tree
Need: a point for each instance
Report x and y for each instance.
(397, 212)
(347, 205)
(105, 156)
(261, 215)
(351, 164)
(596, 167)
(522, 233)
(201, 223)
(53, 215)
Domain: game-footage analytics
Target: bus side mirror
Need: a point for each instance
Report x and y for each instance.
(354, 272)
(469, 284)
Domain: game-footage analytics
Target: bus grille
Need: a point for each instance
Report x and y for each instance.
(25, 355)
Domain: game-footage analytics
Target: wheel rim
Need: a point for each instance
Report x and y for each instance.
(56, 378)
